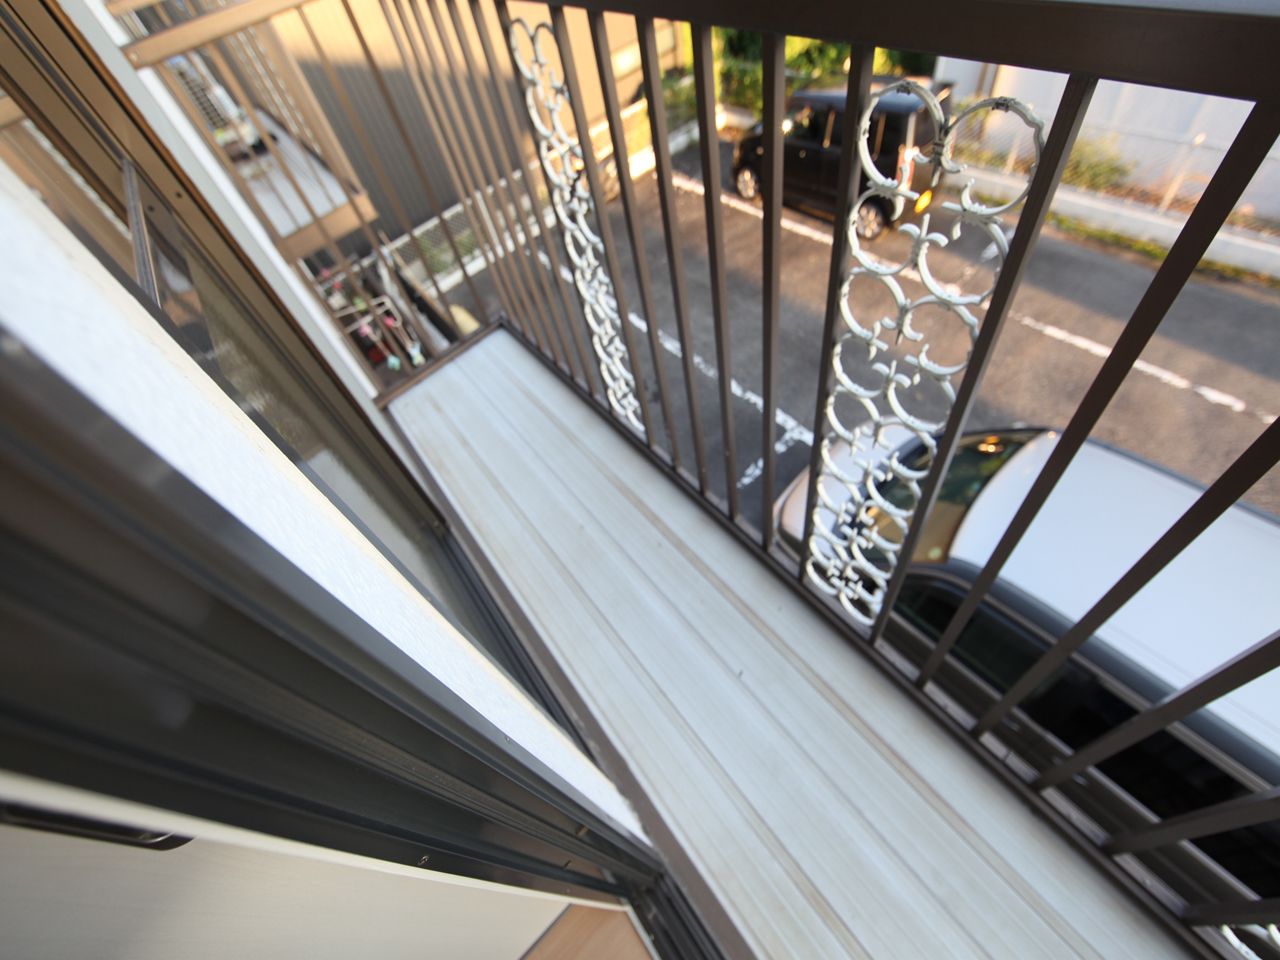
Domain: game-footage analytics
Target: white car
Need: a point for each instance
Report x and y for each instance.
(1216, 599)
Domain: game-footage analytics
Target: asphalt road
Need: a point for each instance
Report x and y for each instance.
(1206, 388)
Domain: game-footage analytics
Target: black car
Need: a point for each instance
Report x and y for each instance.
(811, 165)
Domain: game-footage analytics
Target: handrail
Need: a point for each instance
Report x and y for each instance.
(1168, 45)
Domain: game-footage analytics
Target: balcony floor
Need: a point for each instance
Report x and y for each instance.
(808, 807)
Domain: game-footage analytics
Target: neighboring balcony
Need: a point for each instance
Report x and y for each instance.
(878, 449)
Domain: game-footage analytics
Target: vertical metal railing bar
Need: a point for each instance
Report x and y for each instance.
(438, 52)
(339, 259)
(240, 97)
(251, 101)
(427, 100)
(144, 265)
(1246, 666)
(1246, 811)
(306, 115)
(631, 213)
(419, 168)
(651, 67)
(775, 95)
(275, 63)
(1235, 913)
(467, 91)
(353, 118)
(1067, 121)
(458, 138)
(266, 81)
(560, 28)
(193, 111)
(510, 159)
(1221, 495)
(267, 85)
(709, 149)
(569, 311)
(503, 192)
(850, 178)
(331, 146)
(1255, 139)
(237, 96)
(379, 170)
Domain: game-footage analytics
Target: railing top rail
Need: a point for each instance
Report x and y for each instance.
(1163, 43)
(1168, 43)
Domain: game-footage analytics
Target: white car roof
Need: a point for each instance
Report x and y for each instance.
(1219, 597)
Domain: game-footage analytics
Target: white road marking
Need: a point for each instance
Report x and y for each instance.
(793, 431)
(1167, 377)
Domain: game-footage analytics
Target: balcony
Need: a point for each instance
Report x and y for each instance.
(883, 492)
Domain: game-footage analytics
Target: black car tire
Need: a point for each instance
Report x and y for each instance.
(747, 182)
(872, 220)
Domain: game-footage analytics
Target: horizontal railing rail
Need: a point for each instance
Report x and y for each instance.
(566, 262)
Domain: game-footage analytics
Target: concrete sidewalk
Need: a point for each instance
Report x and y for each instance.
(1233, 246)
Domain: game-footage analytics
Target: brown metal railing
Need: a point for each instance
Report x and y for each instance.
(474, 103)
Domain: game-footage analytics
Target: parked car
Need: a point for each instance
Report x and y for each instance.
(1215, 600)
(900, 125)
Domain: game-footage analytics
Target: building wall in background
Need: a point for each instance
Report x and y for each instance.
(399, 179)
(1170, 140)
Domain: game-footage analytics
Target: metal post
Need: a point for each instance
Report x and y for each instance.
(609, 87)
(855, 102)
(775, 95)
(709, 148)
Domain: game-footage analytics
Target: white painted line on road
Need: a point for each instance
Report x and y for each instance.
(793, 431)
(682, 182)
(688, 184)
(1167, 377)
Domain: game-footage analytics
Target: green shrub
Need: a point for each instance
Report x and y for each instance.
(809, 63)
(679, 96)
(1096, 166)
(742, 84)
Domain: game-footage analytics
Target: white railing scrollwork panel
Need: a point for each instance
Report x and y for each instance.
(884, 377)
(547, 100)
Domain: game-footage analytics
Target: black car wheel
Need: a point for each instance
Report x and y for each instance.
(747, 182)
(872, 220)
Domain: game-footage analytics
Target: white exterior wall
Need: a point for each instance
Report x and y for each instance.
(236, 893)
(1163, 133)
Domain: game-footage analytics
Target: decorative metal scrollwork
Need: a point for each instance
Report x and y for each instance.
(867, 496)
(547, 99)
